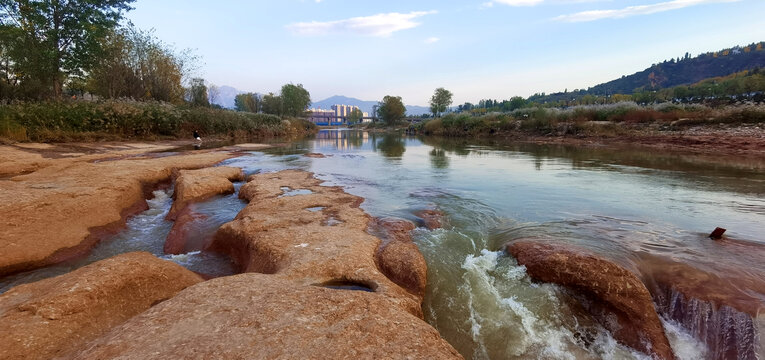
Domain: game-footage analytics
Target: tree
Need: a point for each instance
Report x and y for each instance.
(355, 116)
(213, 93)
(295, 99)
(60, 37)
(249, 102)
(517, 102)
(440, 101)
(196, 94)
(137, 65)
(272, 104)
(391, 109)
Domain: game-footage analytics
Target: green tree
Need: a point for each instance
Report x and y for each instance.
(196, 94)
(391, 109)
(355, 116)
(295, 100)
(272, 104)
(249, 102)
(440, 101)
(136, 64)
(517, 102)
(60, 38)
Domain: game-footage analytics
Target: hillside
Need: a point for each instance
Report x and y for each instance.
(687, 70)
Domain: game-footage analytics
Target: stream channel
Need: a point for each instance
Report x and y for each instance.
(644, 209)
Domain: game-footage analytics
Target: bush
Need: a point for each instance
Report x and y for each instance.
(125, 119)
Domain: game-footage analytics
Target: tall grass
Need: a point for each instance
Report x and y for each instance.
(123, 119)
(591, 120)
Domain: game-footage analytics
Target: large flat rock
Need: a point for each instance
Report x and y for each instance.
(55, 316)
(198, 185)
(308, 233)
(63, 208)
(254, 316)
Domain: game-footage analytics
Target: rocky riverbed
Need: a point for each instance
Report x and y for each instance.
(317, 276)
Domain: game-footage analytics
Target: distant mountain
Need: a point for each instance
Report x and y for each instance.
(226, 96)
(365, 106)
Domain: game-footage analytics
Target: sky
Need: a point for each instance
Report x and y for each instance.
(476, 49)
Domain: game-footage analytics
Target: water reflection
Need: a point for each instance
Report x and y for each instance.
(438, 159)
(341, 139)
(390, 145)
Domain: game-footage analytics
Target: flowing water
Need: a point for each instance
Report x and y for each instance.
(644, 209)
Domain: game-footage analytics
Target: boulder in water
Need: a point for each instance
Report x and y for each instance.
(612, 294)
(398, 257)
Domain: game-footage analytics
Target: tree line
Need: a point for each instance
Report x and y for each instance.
(293, 100)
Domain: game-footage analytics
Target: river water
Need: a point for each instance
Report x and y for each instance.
(647, 210)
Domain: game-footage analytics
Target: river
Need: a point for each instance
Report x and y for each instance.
(647, 210)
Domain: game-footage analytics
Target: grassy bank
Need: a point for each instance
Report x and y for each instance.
(120, 120)
(594, 120)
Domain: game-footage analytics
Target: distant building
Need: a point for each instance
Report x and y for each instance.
(337, 116)
(322, 117)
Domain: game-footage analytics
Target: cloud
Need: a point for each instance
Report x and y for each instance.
(534, 2)
(432, 40)
(380, 25)
(518, 2)
(593, 15)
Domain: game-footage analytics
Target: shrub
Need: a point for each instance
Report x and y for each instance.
(119, 119)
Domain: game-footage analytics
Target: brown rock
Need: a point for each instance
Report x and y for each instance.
(314, 238)
(62, 209)
(198, 185)
(315, 155)
(398, 257)
(611, 292)
(392, 229)
(55, 316)
(253, 316)
(403, 263)
(177, 239)
(432, 219)
(719, 307)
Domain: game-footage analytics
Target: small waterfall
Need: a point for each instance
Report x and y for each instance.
(727, 332)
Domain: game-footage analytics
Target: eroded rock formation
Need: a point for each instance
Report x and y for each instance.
(55, 316)
(316, 237)
(176, 241)
(398, 257)
(255, 316)
(198, 185)
(62, 208)
(613, 295)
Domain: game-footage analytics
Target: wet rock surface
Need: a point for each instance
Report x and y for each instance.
(198, 185)
(55, 316)
(398, 257)
(613, 295)
(255, 316)
(720, 309)
(287, 236)
(177, 239)
(315, 155)
(66, 204)
(431, 218)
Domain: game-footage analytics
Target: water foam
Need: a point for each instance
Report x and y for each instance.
(509, 316)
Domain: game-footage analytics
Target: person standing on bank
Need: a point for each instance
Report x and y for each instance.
(196, 136)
